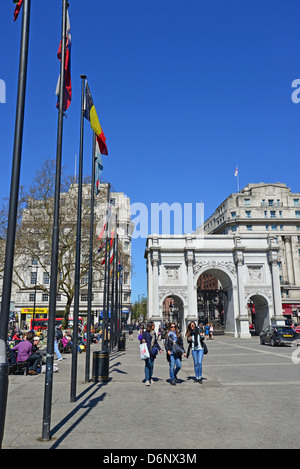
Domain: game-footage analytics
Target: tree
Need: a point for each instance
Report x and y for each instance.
(34, 236)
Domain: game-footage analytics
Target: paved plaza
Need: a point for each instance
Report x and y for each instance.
(249, 399)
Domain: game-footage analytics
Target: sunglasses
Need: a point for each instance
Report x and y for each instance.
(173, 326)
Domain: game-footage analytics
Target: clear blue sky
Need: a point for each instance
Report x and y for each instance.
(184, 90)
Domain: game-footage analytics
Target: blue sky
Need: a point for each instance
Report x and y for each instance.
(184, 89)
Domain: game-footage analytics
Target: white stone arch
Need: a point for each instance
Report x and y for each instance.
(262, 300)
(183, 297)
(228, 279)
(209, 268)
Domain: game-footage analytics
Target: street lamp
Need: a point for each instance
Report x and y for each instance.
(34, 303)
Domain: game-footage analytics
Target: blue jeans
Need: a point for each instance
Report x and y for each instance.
(197, 356)
(58, 354)
(149, 364)
(175, 365)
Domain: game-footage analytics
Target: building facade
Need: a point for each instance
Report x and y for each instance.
(31, 284)
(267, 209)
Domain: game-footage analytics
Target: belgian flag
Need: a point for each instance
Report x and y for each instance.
(91, 115)
(18, 4)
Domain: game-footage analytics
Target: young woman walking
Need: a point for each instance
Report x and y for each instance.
(195, 341)
(174, 358)
(149, 337)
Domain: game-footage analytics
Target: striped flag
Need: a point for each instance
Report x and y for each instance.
(18, 4)
(91, 115)
(68, 84)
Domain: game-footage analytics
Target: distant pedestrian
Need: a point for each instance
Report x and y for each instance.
(206, 328)
(174, 357)
(211, 332)
(195, 341)
(130, 331)
(149, 337)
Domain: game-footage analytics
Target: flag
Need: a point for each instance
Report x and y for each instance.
(98, 170)
(102, 231)
(91, 115)
(101, 247)
(68, 84)
(236, 172)
(18, 4)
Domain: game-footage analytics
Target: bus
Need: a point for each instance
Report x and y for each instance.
(41, 324)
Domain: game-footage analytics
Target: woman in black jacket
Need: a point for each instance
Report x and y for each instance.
(149, 337)
(174, 357)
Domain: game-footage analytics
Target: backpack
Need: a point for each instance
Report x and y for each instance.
(59, 334)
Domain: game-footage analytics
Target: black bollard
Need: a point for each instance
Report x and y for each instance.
(122, 342)
(100, 366)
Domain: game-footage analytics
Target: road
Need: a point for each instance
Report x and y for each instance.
(249, 399)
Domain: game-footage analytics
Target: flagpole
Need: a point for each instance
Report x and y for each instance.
(55, 242)
(12, 215)
(105, 312)
(77, 260)
(89, 311)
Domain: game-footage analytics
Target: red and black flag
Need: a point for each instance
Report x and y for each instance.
(18, 4)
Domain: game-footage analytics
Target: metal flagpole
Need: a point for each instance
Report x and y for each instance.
(55, 240)
(90, 289)
(12, 215)
(105, 312)
(78, 251)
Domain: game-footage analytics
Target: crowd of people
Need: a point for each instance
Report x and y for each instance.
(171, 341)
(27, 347)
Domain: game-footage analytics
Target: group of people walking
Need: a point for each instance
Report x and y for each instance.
(174, 346)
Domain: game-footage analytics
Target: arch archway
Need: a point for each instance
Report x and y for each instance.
(173, 310)
(259, 311)
(215, 302)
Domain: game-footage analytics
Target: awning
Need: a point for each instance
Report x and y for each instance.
(286, 311)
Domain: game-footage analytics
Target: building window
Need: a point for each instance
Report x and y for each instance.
(246, 201)
(249, 227)
(248, 213)
(46, 278)
(33, 278)
(271, 202)
(233, 214)
(296, 203)
(274, 227)
(273, 214)
(58, 298)
(267, 227)
(233, 228)
(31, 296)
(34, 260)
(45, 297)
(263, 202)
(297, 213)
(279, 265)
(85, 297)
(266, 214)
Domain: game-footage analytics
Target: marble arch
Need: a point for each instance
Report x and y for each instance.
(247, 266)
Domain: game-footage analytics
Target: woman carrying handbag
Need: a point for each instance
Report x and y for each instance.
(198, 347)
(175, 350)
(149, 337)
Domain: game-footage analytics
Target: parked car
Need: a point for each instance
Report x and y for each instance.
(277, 335)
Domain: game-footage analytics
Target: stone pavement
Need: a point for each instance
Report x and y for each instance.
(249, 399)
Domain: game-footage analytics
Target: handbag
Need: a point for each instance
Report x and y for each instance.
(154, 352)
(177, 350)
(144, 351)
(205, 348)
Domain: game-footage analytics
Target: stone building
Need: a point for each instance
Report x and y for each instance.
(30, 290)
(267, 209)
